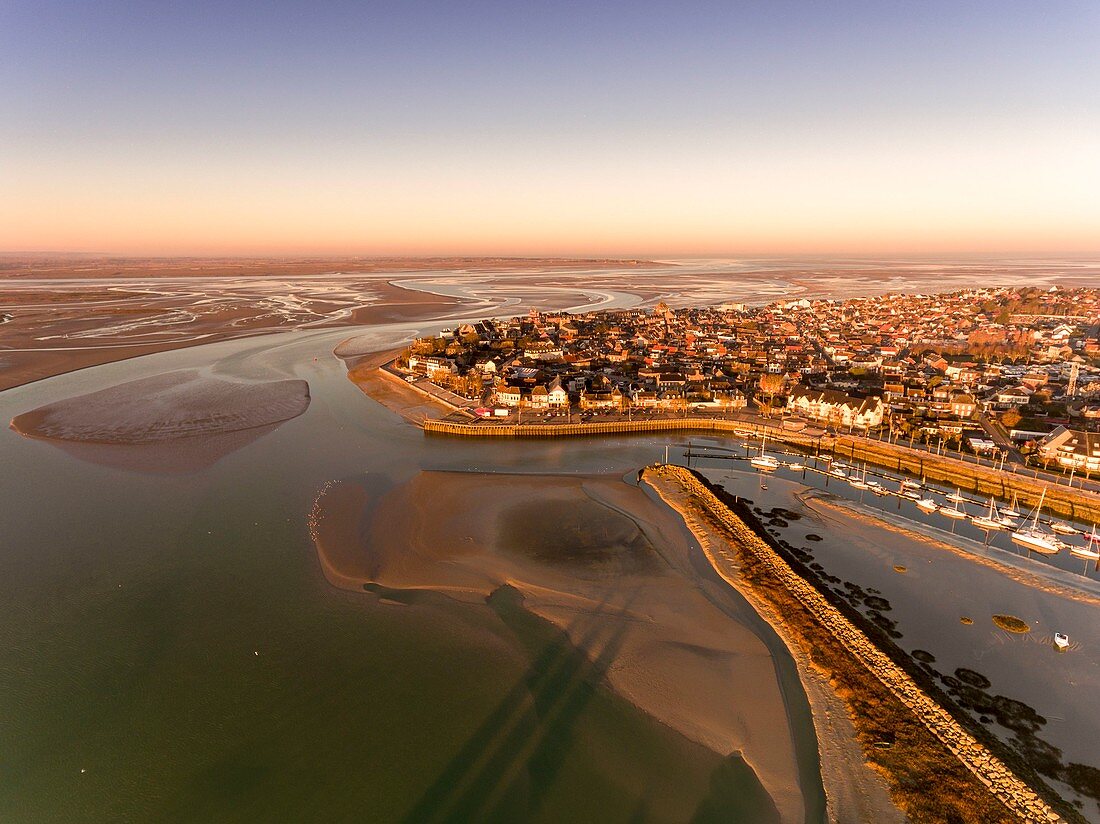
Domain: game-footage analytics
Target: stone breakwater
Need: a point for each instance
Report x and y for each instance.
(1002, 782)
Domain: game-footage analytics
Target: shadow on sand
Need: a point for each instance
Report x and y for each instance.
(506, 768)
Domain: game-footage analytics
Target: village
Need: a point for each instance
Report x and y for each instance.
(990, 371)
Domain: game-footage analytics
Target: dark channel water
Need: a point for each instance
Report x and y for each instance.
(170, 651)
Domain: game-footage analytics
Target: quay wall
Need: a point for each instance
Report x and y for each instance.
(1061, 500)
(1079, 504)
(1001, 781)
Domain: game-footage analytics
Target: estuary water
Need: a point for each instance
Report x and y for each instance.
(170, 650)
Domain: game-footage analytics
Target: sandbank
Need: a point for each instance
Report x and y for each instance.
(600, 560)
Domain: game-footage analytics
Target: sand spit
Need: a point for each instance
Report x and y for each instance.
(364, 370)
(175, 422)
(600, 560)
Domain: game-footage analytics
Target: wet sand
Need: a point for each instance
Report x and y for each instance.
(854, 791)
(178, 421)
(58, 327)
(600, 560)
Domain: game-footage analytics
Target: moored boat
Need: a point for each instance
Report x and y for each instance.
(1089, 553)
(1034, 538)
(859, 483)
(764, 462)
(1062, 528)
(927, 505)
(958, 513)
(990, 520)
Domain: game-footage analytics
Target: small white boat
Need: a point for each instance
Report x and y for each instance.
(764, 462)
(927, 505)
(910, 484)
(991, 520)
(911, 494)
(859, 483)
(1061, 640)
(881, 491)
(958, 513)
(1062, 528)
(1011, 511)
(1034, 538)
(1009, 522)
(794, 465)
(838, 472)
(1089, 553)
(956, 497)
(873, 484)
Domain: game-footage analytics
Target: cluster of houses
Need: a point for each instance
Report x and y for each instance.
(929, 364)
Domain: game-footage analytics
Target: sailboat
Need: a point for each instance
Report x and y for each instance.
(1034, 537)
(991, 520)
(859, 483)
(957, 513)
(1090, 552)
(763, 461)
(1011, 511)
(957, 496)
(1062, 528)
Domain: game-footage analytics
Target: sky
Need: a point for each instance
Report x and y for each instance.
(639, 129)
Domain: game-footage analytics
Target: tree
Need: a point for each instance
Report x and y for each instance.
(1011, 418)
(770, 384)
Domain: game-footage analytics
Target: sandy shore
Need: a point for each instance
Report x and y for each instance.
(389, 390)
(599, 559)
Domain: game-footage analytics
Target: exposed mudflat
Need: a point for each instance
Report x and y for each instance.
(166, 407)
(600, 560)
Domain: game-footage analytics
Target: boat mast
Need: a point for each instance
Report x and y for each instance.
(1039, 508)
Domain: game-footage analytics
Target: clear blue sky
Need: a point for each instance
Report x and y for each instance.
(627, 128)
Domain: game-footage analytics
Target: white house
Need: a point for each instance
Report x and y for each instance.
(835, 407)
